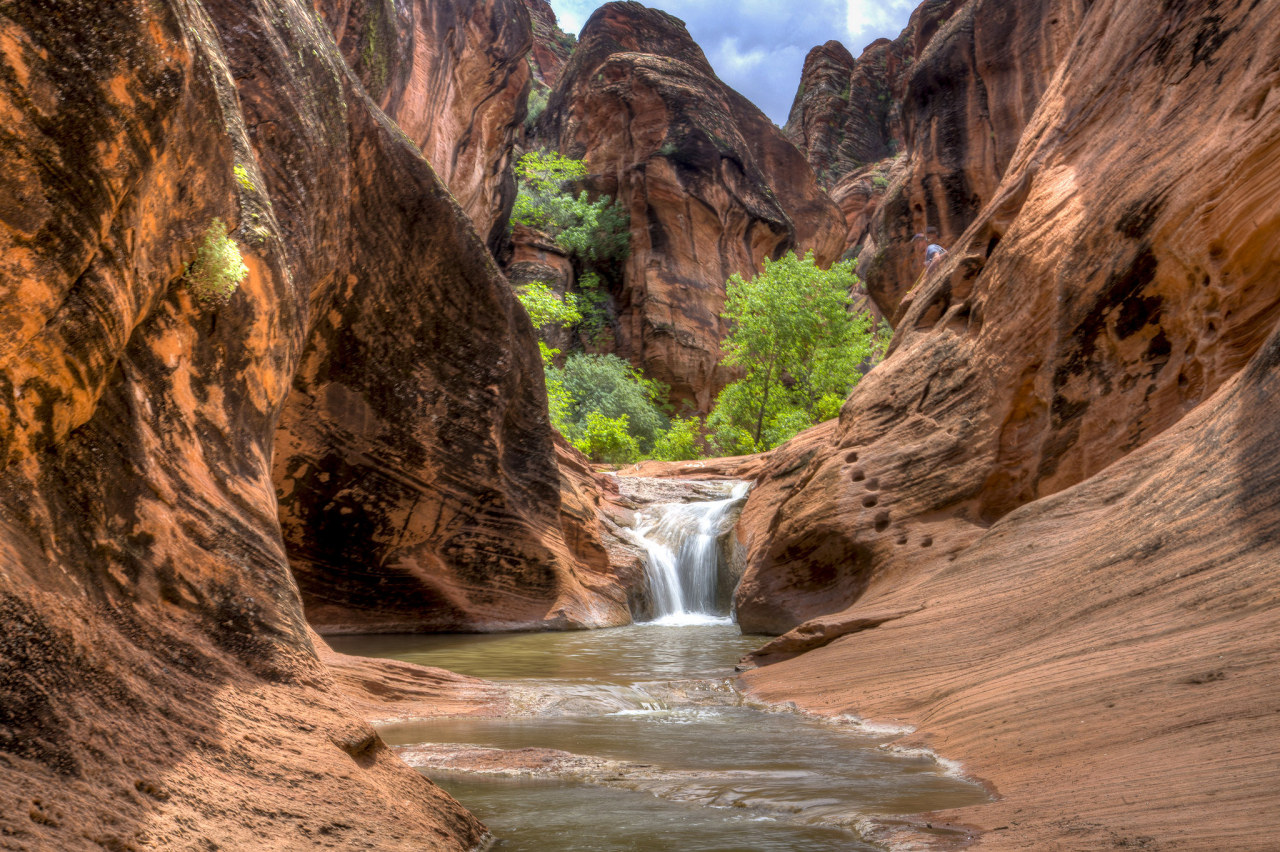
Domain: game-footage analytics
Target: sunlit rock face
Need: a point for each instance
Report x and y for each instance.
(915, 135)
(453, 75)
(372, 384)
(1043, 531)
(711, 186)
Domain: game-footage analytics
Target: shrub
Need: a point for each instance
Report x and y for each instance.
(592, 301)
(595, 231)
(545, 308)
(608, 385)
(606, 439)
(537, 106)
(680, 442)
(218, 268)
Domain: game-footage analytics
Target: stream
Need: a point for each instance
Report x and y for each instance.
(648, 745)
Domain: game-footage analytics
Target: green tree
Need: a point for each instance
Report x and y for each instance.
(593, 231)
(680, 442)
(802, 348)
(606, 439)
(608, 385)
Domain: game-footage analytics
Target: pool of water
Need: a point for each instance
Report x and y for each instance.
(704, 770)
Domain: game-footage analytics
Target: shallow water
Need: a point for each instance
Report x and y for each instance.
(706, 771)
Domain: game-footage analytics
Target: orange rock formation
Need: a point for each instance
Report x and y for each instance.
(453, 75)
(711, 186)
(158, 683)
(1043, 531)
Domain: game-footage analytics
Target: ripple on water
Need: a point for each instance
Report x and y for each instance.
(650, 712)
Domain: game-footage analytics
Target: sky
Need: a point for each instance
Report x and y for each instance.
(758, 46)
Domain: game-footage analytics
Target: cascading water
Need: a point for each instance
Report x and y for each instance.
(681, 541)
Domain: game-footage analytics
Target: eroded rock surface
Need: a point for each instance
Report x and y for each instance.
(158, 683)
(915, 135)
(551, 45)
(453, 75)
(711, 186)
(1042, 530)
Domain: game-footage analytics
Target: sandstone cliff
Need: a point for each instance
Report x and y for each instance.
(158, 684)
(551, 45)
(1044, 529)
(915, 135)
(711, 186)
(453, 75)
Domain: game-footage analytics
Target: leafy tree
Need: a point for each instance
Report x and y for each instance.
(593, 231)
(606, 439)
(680, 442)
(608, 385)
(802, 348)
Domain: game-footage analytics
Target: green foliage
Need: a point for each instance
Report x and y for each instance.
(545, 307)
(218, 268)
(679, 443)
(880, 182)
(568, 41)
(538, 99)
(608, 385)
(375, 59)
(600, 403)
(606, 439)
(801, 347)
(595, 231)
(592, 302)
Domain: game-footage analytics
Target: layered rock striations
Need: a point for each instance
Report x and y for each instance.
(453, 75)
(552, 46)
(711, 186)
(158, 683)
(1043, 530)
(915, 135)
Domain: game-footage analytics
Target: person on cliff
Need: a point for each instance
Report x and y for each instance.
(932, 251)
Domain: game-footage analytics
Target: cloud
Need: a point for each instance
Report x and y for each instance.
(758, 46)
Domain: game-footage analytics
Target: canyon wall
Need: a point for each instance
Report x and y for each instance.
(711, 186)
(158, 683)
(453, 75)
(1043, 530)
(915, 135)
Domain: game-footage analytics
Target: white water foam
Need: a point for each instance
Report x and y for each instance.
(681, 543)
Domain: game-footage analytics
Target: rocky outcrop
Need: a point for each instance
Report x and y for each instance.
(711, 186)
(1043, 529)
(552, 46)
(158, 683)
(453, 75)
(922, 128)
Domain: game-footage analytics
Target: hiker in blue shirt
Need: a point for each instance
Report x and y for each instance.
(932, 251)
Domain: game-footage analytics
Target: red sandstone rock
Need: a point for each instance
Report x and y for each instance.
(950, 97)
(711, 186)
(453, 74)
(158, 684)
(551, 45)
(1061, 482)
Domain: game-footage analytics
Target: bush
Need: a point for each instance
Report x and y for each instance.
(680, 442)
(606, 439)
(538, 99)
(594, 231)
(609, 386)
(218, 268)
(545, 308)
(592, 302)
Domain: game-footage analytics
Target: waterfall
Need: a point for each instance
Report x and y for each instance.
(681, 541)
